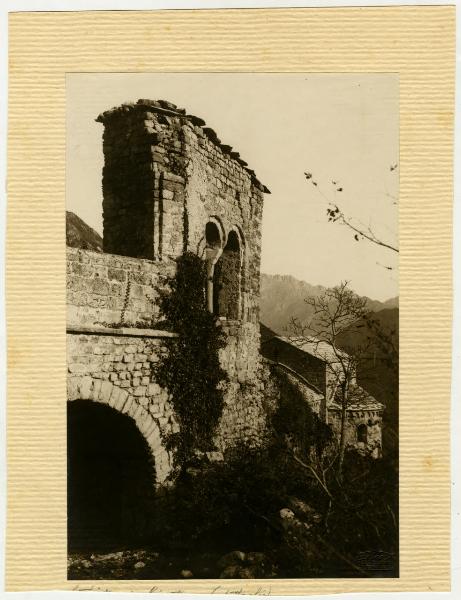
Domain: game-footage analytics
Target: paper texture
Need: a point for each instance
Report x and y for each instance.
(415, 42)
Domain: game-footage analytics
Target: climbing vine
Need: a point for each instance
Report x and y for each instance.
(190, 370)
(125, 303)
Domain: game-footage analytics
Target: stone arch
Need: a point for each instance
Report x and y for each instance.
(227, 278)
(241, 238)
(243, 270)
(98, 390)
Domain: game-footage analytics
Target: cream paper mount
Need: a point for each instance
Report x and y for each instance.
(417, 43)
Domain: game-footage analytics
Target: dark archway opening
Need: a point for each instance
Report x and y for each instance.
(212, 235)
(362, 433)
(110, 478)
(226, 288)
(213, 247)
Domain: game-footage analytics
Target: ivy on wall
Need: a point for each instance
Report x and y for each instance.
(191, 371)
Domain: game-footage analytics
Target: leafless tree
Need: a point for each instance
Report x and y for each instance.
(336, 312)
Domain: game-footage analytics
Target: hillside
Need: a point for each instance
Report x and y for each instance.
(81, 235)
(282, 298)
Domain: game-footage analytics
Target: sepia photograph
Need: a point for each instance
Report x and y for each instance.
(232, 325)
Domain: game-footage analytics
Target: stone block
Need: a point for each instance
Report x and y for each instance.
(137, 412)
(117, 274)
(153, 389)
(72, 388)
(99, 286)
(140, 391)
(77, 368)
(106, 390)
(85, 387)
(95, 390)
(154, 441)
(114, 395)
(120, 400)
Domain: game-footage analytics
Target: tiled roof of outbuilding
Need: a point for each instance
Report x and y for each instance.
(360, 400)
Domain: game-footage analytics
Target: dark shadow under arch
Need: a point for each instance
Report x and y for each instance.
(110, 478)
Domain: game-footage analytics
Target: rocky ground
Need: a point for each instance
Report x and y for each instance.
(147, 564)
(297, 524)
(144, 563)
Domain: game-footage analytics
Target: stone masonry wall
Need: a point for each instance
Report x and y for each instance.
(101, 347)
(116, 368)
(248, 389)
(372, 419)
(103, 289)
(219, 186)
(166, 175)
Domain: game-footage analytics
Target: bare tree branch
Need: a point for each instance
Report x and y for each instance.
(337, 215)
(336, 311)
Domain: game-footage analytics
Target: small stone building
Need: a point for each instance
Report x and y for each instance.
(313, 367)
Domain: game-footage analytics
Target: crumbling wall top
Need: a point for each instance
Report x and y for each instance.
(167, 108)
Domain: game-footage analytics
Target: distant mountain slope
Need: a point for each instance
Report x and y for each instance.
(282, 298)
(81, 235)
(391, 303)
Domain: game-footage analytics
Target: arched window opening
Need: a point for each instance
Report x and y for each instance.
(212, 235)
(227, 280)
(362, 433)
(213, 250)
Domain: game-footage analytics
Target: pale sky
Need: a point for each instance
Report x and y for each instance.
(342, 128)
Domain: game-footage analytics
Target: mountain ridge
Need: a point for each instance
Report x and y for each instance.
(81, 235)
(283, 298)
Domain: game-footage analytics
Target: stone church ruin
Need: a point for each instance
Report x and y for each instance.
(170, 186)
